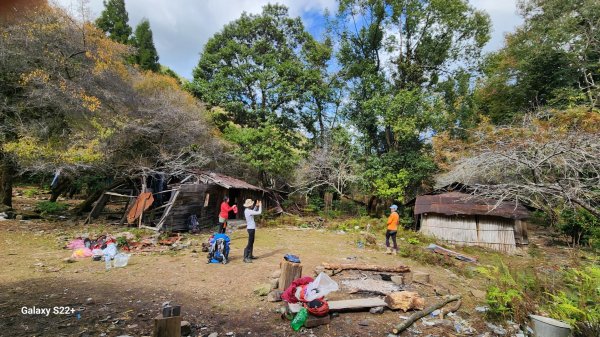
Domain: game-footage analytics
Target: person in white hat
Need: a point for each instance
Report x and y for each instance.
(249, 214)
(392, 230)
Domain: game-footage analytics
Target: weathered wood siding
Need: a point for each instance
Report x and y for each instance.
(192, 199)
(471, 230)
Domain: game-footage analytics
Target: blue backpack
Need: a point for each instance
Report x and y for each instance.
(218, 251)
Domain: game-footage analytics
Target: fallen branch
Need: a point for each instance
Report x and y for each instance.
(420, 314)
(366, 267)
(453, 308)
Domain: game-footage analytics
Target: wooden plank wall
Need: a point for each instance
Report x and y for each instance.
(486, 231)
(192, 200)
(189, 201)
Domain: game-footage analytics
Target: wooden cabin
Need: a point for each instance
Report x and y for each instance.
(455, 216)
(200, 193)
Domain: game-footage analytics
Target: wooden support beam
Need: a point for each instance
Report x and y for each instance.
(365, 267)
(356, 304)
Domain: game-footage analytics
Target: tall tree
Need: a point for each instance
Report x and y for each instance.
(146, 55)
(552, 59)
(255, 68)
(114, 21)
(394, 54)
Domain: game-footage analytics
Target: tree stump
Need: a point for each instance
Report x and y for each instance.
(289, 272)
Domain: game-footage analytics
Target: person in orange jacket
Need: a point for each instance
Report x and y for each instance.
(224, 214)
(392, 230)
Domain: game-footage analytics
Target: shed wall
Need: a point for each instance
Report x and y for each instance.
(486, 231)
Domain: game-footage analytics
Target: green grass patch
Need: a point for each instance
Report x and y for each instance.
(49, 207)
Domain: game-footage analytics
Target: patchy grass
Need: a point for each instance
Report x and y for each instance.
(49, 207)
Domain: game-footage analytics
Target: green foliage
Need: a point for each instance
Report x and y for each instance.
(114, 21)
(267, 149)
(146, 55)
(49, 207)
(501, 302)
(506, 296)
(580, 300)
(395, 106)
(256, 68)
(413, 241)
(582, 226)
(534, 68)
(31, 192)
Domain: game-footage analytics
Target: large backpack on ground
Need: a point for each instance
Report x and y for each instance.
(218, 251)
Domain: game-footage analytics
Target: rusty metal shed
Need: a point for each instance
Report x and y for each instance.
(454, 215)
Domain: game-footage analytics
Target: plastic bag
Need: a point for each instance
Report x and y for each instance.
(320, 287)
(110, 250)
(76, 244)
(121, 260)
(81, 253)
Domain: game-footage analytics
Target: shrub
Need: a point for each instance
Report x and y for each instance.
(581, 226)
(49, 207)
(579, 302)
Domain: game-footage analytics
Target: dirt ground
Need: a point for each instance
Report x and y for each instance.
(214, 297)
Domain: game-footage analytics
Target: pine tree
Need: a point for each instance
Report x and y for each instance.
(114, 21)
(146, 55)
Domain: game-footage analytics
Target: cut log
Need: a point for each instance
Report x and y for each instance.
(289, 272)
(356, 304)
(366, 267)
(405, 300)
(420, 314)
(167, 326)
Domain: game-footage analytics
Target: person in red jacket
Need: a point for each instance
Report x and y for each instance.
(224, 214)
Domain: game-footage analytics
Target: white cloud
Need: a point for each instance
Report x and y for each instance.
(182, 27)
(504, 19)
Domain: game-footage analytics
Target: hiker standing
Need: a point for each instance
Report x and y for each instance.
(392, 230)
(249, 214)
(224, 214)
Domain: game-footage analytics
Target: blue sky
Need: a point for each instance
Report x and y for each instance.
(182, 27)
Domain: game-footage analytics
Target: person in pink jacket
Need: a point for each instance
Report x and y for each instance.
(224, 214)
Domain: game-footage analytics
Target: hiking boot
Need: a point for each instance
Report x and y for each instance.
(394, 251)
(254, 257)
(388, 250)
(247, 260)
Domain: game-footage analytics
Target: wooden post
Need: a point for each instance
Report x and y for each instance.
(167, 326)
(289, 272)
(142, 214)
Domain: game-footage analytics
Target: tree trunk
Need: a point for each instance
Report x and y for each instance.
(86, 205)
(289, 272)
(7, 175)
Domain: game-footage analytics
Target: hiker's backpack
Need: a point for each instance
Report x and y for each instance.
(192, 224)
(218, 251)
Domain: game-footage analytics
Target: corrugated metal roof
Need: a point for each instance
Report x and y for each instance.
(226, 181)
(457, 203)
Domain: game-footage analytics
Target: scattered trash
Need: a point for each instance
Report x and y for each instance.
(318, 288)
(377, 310)
(121, 260)
(498, 330)
(299, 319)
(482, 309)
